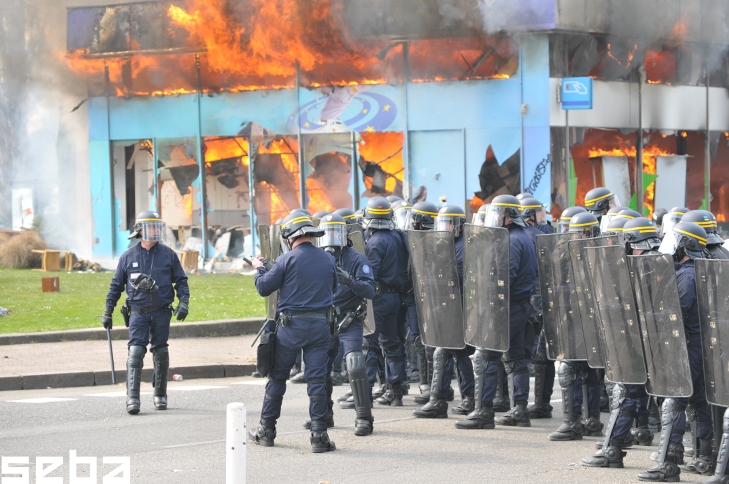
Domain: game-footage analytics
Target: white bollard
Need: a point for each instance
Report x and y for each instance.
(235, 442)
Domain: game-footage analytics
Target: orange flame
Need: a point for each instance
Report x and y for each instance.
(223, 148)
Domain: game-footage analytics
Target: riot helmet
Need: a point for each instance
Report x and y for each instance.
(451, 219)
(532, 209)
(302, 211)
(334, 230)
(378, 214)
(297, 225)
(671, 219)
(422, 216)
(393, 198)
(359, 216)
(685, 239)
(658, 217)
(707, 221)
(641, 234)
(347, 214)
(609, 216)
(585, 223)
(316, 218)
(567, 214)
(524, 195)
(502, 206)
(615, 227)
(401, 212)
(149, 226)
(599, 200)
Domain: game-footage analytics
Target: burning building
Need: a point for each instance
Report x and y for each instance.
(227, 113)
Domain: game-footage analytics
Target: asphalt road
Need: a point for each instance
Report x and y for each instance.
(185, 444)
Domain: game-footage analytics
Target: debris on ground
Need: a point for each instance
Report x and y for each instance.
(4, 312)
(87, 266)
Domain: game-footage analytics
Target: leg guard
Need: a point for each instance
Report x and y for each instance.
(363, 424)
(482, 416)
(722, 459)
(436, 406)
(135, 362)
(617, 412)
(571, 428)
(669, 415)
(161, 360)
(703, 461)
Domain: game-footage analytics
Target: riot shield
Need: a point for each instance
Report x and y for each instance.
(585, 301)
(561, 314)
(264, 236)
(437, 288)
(712, 287)
(356, 235)
(275, 242)
(617, 317)
(486, 287)
(661, 324)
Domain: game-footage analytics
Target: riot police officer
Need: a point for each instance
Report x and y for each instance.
(707, 221)
(567, 214)
(574, 374)
(671, 219)
(306, 279)
(686, 242)
(356, 285)
(147, 271)
(534, 214)
(388, 255)
(451, 219)
(629, 401)
(347, 214)
(504, 211)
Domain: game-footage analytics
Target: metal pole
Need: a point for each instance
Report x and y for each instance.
(114, 226)
(707, 149)
(639, 148)
(235, 444)
(406, 147)
(201, 164)
(251, 196)
(155, 171)
(521, 119)
(302, 185)
(355, 172)
(111, 356)
(465, 174)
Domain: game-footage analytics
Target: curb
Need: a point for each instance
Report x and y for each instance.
(98, 378)
(223, 327)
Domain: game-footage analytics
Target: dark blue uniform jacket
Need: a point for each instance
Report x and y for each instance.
(363, 287)
(162, 264)
(522, 264)
(306, 278)
(388, 257)
(686, 280)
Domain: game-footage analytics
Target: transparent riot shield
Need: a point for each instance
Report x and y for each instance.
(356, 235)
(585, 300)
(264, 236)
(661, 324)
(486, 287)
(560, 311)
(275, 242)
(617, 317)
(437, 288)
(712, 287)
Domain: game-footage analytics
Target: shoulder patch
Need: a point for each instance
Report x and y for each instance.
(135, 264)
(366, 269)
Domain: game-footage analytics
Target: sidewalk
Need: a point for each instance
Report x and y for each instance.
(86, 363)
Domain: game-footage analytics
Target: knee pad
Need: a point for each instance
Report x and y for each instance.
(161, 357)
(135, 358)
(619, 395)
(567, 374)
(356, 364)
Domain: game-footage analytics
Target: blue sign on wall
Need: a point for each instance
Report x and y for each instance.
(577, 93)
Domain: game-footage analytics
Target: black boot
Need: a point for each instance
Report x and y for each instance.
(592, 427)
(264, 434)
(466, 406)
(435, 408)
(611, 457)
(669, 470)
(330, 421)
(320, 442)
(392, 396)
(516, 417)
(540, 409)
(482, 417)
(424, 375)
(135, 363)
(704, 462)
(161, 360)
(364, 422)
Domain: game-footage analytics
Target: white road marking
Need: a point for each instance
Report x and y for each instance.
(255, 382)
(192, 388)
(42, 400)
(113, 394)
(192, 444)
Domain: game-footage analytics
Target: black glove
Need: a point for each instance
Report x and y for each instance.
(106, 318)
(181, 311)
(344, 277)
(267, 264)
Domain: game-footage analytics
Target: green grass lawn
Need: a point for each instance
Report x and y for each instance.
(82, 298)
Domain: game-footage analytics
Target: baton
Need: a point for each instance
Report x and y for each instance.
(111, 356)
(260, 332)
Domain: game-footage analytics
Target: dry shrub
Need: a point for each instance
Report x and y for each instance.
(16, 252)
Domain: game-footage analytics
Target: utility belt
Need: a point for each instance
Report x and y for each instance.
(350, 316)
(150, 310)
(286, 318)
(382, 288)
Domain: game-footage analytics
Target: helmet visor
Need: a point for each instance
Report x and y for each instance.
(478, 219)
(448, 224)
(494, 216)
(154, 231)
(614, 202)
(541, 216)
(669, 243)
(670, 221)
(402, 217)
(605, 221)
(335, 235)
